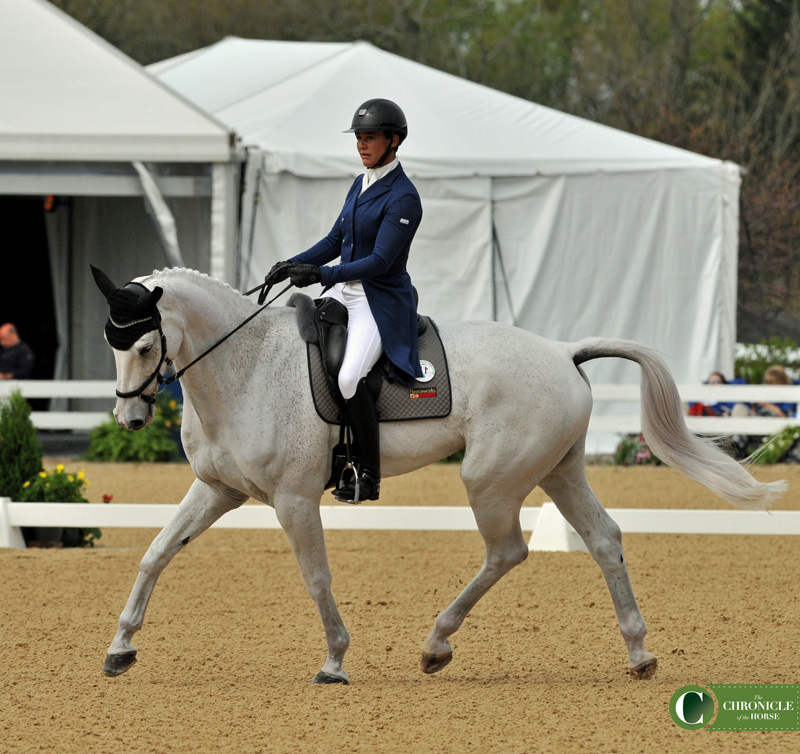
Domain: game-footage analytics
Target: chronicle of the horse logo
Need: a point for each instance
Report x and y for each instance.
(428, 372)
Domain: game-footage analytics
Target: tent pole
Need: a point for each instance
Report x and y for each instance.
(496, 252)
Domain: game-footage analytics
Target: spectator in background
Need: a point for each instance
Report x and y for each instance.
(716, 409)
(16, 356)
(776, 375)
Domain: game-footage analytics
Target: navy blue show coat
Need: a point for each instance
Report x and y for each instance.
(373, 237)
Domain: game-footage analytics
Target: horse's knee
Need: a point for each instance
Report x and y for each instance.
(319, 586)
(606, 546)
(154, 561)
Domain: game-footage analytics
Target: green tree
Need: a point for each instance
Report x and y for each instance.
(20, 451)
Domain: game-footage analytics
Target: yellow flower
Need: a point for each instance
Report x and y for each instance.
(60, 468)
(27, 484)
(80, 475)
(43, 474)
(168, 424)
(173, 404)
(70, 478)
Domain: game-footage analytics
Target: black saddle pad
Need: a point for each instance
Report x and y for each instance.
(425, 400)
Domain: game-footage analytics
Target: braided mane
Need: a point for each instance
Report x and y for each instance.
(179, 272)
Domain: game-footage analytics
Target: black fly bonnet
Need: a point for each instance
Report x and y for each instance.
(134, 312)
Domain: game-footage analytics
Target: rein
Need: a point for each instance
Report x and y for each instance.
(165, 381)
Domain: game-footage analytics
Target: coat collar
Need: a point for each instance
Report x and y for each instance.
(380, 187)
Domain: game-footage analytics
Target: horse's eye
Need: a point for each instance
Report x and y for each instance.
(144, 350)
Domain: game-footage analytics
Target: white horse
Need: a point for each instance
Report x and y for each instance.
(520, 409)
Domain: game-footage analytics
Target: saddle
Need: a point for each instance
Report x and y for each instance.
(322, 324)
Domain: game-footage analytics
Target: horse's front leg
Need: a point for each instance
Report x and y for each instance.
(201, 507)
(300, 519)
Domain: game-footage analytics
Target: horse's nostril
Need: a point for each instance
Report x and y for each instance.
(136, 424)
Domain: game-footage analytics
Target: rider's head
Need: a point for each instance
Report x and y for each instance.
(380, 128)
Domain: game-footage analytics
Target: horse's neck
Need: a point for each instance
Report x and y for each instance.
(205, 311)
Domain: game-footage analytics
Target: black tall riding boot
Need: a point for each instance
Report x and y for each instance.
(363, 419)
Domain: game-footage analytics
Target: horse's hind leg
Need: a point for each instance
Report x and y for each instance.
(570, 490)
(201, 507)
(498, 523)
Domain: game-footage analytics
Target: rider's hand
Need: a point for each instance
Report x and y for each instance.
(305, 274)
(278, 273)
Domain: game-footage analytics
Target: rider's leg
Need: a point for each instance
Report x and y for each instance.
(362, 352)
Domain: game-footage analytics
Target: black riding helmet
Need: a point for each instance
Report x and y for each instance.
(380, 115)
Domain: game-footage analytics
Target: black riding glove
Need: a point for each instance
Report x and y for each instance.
(278, 273)
(305, 274)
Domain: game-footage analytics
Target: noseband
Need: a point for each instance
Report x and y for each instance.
(157, 375)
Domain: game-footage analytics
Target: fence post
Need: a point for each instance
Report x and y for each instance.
(10, 536)
(552, 533)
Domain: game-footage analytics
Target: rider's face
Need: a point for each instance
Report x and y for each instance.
(371, 147)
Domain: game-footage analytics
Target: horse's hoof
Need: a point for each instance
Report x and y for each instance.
(118, 664)
(644, 670)
(434, 663)
(328, 678)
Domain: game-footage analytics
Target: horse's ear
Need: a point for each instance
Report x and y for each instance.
(107, 288)
(155, 295)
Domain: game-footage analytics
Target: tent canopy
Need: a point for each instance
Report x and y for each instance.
(69, 95)
(294, 99)
(83, 123)
(559, 225)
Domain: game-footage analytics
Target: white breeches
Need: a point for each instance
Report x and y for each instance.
(364, 346)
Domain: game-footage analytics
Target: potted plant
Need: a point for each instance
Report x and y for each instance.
(58, 486)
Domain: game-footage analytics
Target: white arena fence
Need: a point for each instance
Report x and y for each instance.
(550, 532)
(630, 423)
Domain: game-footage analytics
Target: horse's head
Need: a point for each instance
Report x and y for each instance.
(133, 330)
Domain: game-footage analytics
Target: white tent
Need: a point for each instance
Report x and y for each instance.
(562, 226)
(83, 123)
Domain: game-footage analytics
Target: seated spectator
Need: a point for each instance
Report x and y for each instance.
(716, 409)
(776, 375)
(16, 356)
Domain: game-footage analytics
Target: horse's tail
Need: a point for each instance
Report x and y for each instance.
(666, 433)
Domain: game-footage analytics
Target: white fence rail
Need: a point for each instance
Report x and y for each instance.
(75, 420)
(550, 531)
(623, 424)
(711, 425)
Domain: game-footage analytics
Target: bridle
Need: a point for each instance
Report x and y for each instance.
(163, 381)
(156, 374)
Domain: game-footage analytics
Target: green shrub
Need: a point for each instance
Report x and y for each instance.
(20, 451)
(156, 442)
(777, 447)
(59, 486)
(755, 359)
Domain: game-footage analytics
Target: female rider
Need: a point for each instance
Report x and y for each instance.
(372, 237)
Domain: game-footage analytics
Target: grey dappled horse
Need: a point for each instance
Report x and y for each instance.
(521, 406)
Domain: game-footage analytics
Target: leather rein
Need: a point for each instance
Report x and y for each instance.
(164, 381)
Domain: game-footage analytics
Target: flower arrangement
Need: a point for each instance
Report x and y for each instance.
(59, 486)
(158, 442)
(633, 450)
(55, 487)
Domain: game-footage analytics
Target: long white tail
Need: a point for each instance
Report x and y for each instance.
(666, 433)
